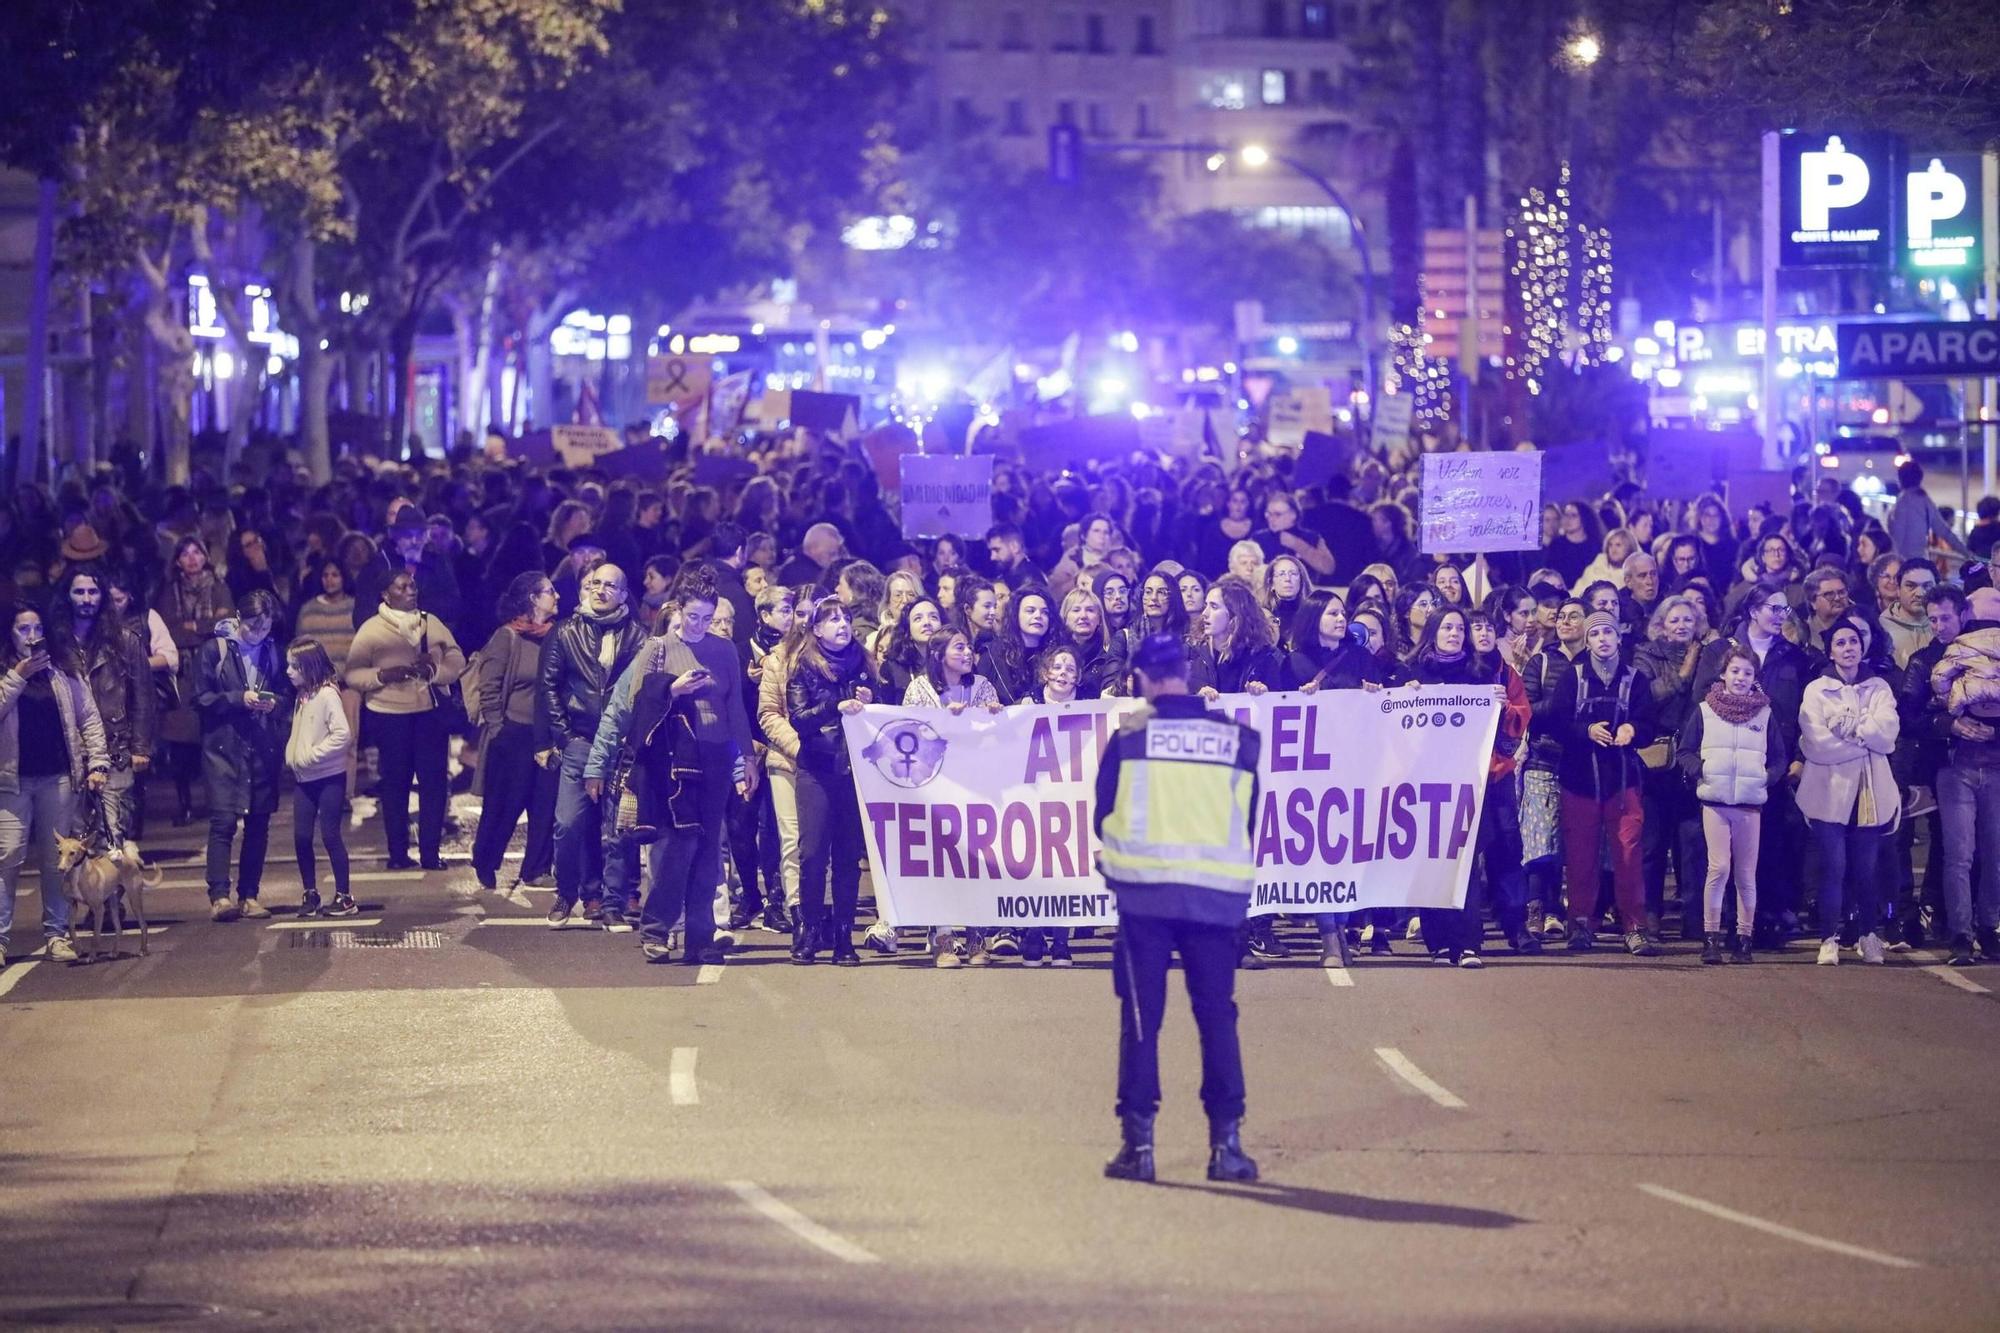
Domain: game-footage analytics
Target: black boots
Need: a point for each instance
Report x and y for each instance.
(1135, 1158)
(1226, 1158)
(1711, 948)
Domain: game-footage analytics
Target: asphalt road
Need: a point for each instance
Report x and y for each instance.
(444, 1121)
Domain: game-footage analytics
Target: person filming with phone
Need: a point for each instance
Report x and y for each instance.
(51, 748)
(245, 702)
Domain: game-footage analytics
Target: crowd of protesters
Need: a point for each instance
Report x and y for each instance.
(1774, 715)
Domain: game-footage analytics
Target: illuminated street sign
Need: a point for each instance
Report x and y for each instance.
(1837, 200)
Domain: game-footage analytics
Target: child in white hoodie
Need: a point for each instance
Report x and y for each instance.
(317, 755)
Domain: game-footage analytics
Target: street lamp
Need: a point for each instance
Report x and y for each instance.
(1257, 155)
(1583, 50)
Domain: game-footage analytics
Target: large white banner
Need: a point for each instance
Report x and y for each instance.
(983, 819)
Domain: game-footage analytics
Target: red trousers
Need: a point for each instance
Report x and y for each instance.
(1586, 824)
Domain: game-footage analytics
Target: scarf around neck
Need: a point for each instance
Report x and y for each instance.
(530, 628)
(1736, 709)
(409, 624)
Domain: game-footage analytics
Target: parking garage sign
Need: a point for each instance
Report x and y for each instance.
(1926, 349)
(1837, 198)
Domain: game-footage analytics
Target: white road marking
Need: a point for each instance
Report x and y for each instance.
(709, 974)
(541, 921)
(1400, 1065)
(1338, 977)
(331, 923)
(680, 1077)
(11, 977)
(1777, 1228)
(1951, 976)
(796, 1222)
(1944, 971)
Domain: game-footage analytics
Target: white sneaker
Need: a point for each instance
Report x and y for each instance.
(881, 937)
(1829, 953)
(61, 950)
(1415, 930)
(1871, 948)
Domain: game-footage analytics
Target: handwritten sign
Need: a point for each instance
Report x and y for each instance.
(946, 495)
(1482, 502)
(579, 446)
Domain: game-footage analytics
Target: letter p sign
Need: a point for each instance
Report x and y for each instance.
(1934, 195)
(1829, 180)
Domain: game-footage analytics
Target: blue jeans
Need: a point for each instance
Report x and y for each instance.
(33, 816)
(1969, 808)
(587, 869)
(1850, 875)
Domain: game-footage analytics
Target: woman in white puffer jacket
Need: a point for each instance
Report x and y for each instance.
(1848, 794)
(1733, 757)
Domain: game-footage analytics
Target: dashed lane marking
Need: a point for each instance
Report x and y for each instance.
(796, 1222)
(1401, 1066)
(710, 974)
(680, 1077)
(331, 923)
(1778, 1229)
(1339, 978)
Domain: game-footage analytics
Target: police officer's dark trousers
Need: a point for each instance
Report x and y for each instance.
(1144, 948)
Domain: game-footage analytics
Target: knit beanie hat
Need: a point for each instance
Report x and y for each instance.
(1596, 618)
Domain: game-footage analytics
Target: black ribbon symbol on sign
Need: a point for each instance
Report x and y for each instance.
(676, 372)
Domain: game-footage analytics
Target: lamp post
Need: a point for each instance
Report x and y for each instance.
(1257, 155)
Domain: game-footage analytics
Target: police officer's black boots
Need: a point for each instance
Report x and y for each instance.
(1135, 1159)
(1226, 1158)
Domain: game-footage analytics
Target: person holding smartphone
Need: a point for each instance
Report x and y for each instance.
(51, 746)
(680, 705)
(245, 703)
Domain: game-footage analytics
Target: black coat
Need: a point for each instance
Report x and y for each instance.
(813, 701)
(667, 769)
(1582, 699)
(242, 752)
(575, 684)
(1262, 665)
(1348, 667)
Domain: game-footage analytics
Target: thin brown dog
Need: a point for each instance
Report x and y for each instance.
(102, 885)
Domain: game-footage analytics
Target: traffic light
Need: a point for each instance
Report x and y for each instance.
(1065, 149)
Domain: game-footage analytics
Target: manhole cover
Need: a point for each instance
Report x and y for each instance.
(117, 1314)
(367, 939)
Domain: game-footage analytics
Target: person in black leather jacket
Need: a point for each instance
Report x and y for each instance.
(581, 660)
(830, 676)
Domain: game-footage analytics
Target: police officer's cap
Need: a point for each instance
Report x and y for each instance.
(1161, 657)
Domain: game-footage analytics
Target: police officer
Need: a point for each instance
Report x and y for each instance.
(1176, 792)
